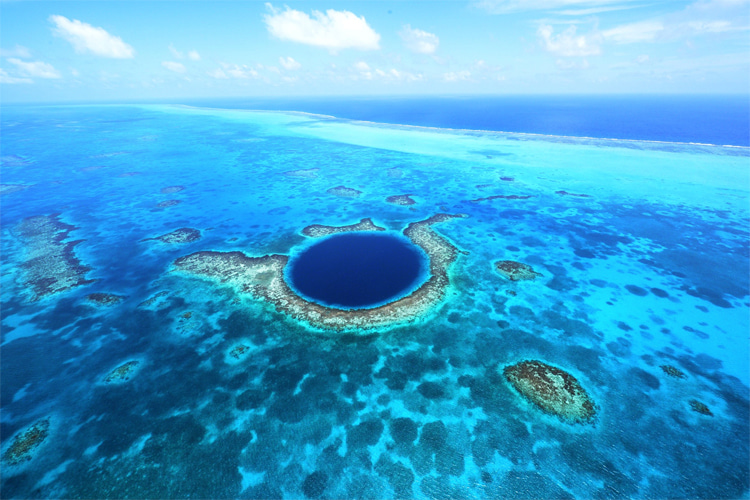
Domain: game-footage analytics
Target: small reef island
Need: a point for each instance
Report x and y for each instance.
(264, 278)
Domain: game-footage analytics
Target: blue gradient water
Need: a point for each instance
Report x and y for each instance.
(642, 247)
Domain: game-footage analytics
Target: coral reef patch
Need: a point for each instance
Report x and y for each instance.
(401, 199)
(26, 442)
(172, 189)
(318, 231)
(239, 351)
(104, 299)
(699, 407)
(553, 390)
(182, 235)
(565, 193)
(344, 192)
(122, 373)
(169, 203)
(263, 278)
(308, 173)
(13, 188)
(503, 197)
(516, 271)
(672, 371)
(51, 265)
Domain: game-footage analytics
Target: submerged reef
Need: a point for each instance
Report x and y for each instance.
(239, 351)
(182, 235)
(263, 278)
(50, 265)
(26, 442)
(344, 192)
(122, 372)
(516, 271)
(565, 193)
(503, 197)
(318, 231)
(672, 371)
(401, 199)
(172, 189)
(699, 407)
(553, 390)
(169, 203)
(13, 188)
(309, 173)
(104, 299)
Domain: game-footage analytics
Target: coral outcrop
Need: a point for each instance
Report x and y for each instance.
(26, 442)
(516, 271)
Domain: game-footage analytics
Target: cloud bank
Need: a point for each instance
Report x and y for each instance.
(87, 38)
(333, 30)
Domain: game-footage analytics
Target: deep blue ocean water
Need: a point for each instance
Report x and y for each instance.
(356, 270)
(723, 120)
(642, 249)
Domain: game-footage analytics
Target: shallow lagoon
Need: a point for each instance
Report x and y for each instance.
(642, 249)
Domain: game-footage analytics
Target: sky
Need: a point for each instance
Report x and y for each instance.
(114, 50)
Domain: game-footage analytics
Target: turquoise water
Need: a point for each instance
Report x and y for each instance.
(642, 249)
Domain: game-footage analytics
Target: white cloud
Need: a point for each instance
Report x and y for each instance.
(362, 66)
(193, 55)
(333, 30)
(644, 31)
(289, 63)
(17, 51)
(175, 52)
(239, 71)
(568, 43)
(174, 66)
(87, 38)
(38, 69)
(218, 73)
(419, 41)
(6, 78)
(456, 76)
(567, 64)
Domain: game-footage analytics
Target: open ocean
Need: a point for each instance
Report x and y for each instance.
(575, 323)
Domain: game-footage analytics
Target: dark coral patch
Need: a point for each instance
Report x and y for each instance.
(344, 192)
(516, 271)
(553, 390)
(315, 484)
(122, 372)
(672, 371)
(318, 230)
(401, 199)
(51, 264)
(636, 290)
(182, 235)
(565, 193)
(104, 299)
(26, 442)
(699, 407)
(172, 189)
(239, 351)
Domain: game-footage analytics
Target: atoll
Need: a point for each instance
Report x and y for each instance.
(51, 265)
(182, 235)
(553, 390)
(122, 372)
(308, 173)
(263, 278)
(516, 271)
(401, 199)
(503, 197)
(104, 299)
(318, 231)
(344, 192)
(172, 189)
(26, 442)
(672, 371)
(169, 203)
(699, 407)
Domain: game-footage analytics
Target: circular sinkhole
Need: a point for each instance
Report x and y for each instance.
(358, 270)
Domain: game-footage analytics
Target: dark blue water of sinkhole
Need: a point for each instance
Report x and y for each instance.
(357, 270)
